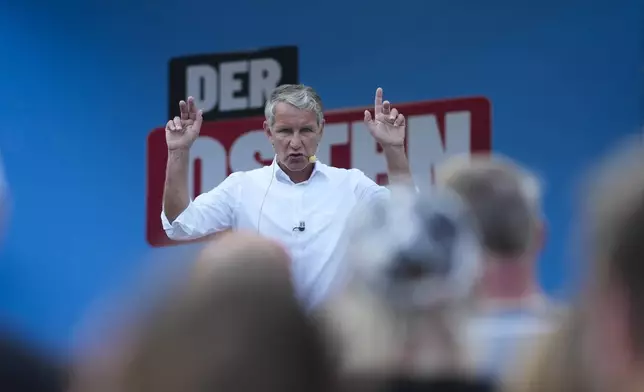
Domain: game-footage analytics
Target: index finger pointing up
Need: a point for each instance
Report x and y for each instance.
(378, 105)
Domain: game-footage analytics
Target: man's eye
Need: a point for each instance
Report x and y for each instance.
(306, 130)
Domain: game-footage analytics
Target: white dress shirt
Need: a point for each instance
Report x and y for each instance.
(265, 200)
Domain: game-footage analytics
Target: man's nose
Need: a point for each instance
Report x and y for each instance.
(296, 141)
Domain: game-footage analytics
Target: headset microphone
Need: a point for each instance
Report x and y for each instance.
(312, 159)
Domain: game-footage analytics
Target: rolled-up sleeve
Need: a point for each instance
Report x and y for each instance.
(209, 213)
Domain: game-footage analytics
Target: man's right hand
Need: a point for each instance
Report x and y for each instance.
(181, 132)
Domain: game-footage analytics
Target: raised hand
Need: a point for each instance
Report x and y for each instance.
(181, 132)
(387, 126)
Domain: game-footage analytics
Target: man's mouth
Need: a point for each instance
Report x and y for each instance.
(298, 155)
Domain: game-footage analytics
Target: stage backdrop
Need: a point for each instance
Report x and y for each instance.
(83, 84)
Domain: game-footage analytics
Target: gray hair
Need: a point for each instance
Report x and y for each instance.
(505, 198)
(298, 95)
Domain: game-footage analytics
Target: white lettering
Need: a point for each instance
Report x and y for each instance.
(202, 84)
(246, 148)
(334, 135)
(425, 146)
(211, 87)
(364, 152)
(230, 85)
(265, 74)
(213, 164)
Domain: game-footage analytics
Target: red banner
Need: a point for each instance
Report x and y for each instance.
(435, 131)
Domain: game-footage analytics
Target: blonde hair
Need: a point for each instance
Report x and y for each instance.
(505, 199)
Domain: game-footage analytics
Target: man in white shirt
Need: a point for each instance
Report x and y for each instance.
(297, 200)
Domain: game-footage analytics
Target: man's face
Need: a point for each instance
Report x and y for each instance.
(295, 135)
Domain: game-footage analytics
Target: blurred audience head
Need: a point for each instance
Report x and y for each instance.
(413, 259)
(233, 323)
(554, 362)
(505, 199)
(613, 237)
(25, 368)
(510, 311)
(237, 248)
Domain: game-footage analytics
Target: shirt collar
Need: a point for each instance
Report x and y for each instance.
(319, 169)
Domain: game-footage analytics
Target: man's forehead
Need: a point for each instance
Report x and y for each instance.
(286, 113)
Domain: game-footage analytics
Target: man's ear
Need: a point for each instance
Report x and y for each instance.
(269, 133)
(321, 130)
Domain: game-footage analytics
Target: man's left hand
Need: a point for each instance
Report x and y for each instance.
(387, 126)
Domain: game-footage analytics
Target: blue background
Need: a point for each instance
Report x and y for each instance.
(82, 84)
